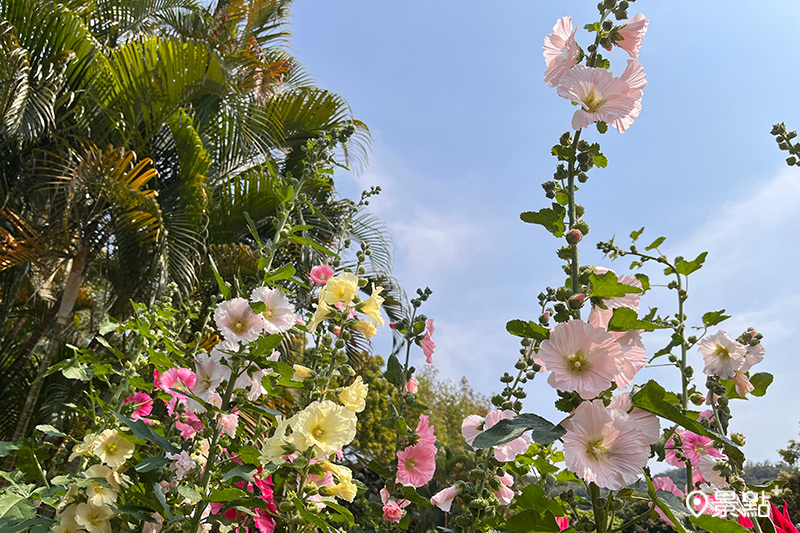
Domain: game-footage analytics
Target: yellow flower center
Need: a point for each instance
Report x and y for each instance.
(411, 464)
(239, 327)
(596, 450)
(577, 363)
(318, 432)
(111, 447)
(593, 101)
(722, 352)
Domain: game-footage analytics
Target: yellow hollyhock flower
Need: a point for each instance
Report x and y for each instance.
(97, 493)
(341, 288)
(345, 490)
(353, 397)
(372, 306)
(112, 448)
(301, 373)
(93, 518)
(85, 448)
(322, 312)
(366, 328)
(326, 426)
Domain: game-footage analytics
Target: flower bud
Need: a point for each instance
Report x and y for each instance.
(738, 438)
(576, 301)
(574, 236)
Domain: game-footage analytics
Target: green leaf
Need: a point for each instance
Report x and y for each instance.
(530, 520)
(150, 463)
(761, 382)
(414, 497)
(245, 472)
(602, 127)
(599, 159)
(713, 524)
(379, 469)
(311, 518)
(562, 198)
(533, 497)
(608, 286)
(140, 430)
(656, 243)
(687, 267)
(644, 280)
(74, 369)
(249, 455)
(162, 499)
(190, 493)
(348, 516)
(394, 371)
(312, 244)
(7, 447)
(49, 430)
(651, 398)
(551, 219)
(224, 287)
(624, 318)
(636, 234)
(227, 494)
(544, 432)
(712, 318)
(528, 330)
(284, 272)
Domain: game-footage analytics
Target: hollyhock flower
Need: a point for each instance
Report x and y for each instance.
(209, 373)
(604, 446)
(94, 518)
(723, 356)
(563, 522)
(707, 465)
(326, 426)
(85, 448)
(560, 51)
(279, 314)
(471, 427)
(67, 522)
(412, 386)
(188, 424)
(742, 383)
(176, 378)
(322, 312)
(366, 328)
(636, 80)
(666, 484)
(416, 464)
(182, 463)
(221, 349)
(112, 448)
(154, 527)
(632, 34)
(265, 522)
(372, 306)
(237, 321)
(274, 446)
(425, 431)
(301, 373)
(427, 343)
(228, 423)
(341, 288)
(647, 423)
(752, 356)
(581, 358)
(444, 498)
(257, 390)
(695, 446)
(320, 274)
(633, 355)
(354, 396)
(508, 451)
(782, 522)
(599, 94)
(142, 405)
(629, 300)
(98, 494)
(504, 492)
(392, 510)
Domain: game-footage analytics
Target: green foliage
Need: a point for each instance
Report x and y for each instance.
(542, 431)
(552, 219)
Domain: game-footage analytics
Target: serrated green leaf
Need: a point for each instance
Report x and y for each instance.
(712, 318)
(656, 243)
(312, 244)
(528, 330)
(141, 431)
(189, 493)
(74, 369)
(687, 267)
(636, 234)
(284, 272)
(600, 160)
(394, 371)
(551, 219)
(624, 318)
(543, 431)
(50, 431)
(532, 521)
(644, 280)
(607, 286)
(245, 472)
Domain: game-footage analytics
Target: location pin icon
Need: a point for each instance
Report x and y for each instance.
(697, 501)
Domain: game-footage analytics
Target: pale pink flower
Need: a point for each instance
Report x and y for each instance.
(581, 358)
(742, 383)
(427, 343)
(154, 527)
(508, 451)
(752, 356)
(635, 78)
(256, 388)
(188, 424)
(412, 386)
(666, 484)
(444, 498)
(210, 372)
(695, 446)
(633, 355)
(723, 356)
(632, 34)
(320, 274)
(604, 446)
(279, 315)
(425, 431)
(470, 428)
(228, 423)
(182, 463)
(600, 96)
(647, 423)
(221, 349)
(560, 51)
(504, 492)
(392, 510)
(707, 466)
(416, 464)
(142, 405)
(237, 322)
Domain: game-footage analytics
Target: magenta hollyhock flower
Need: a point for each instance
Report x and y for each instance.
(188, 424)
(563, 522)
(279, 314)
(176, 378)
(723, 356)
(444, 498)
(581, 358)
(604, 446)
(782, 522)
(427, 343)
(560, 51)
(142, 405)
(632, 34)
(237, 321)
(320, 274)
(599, 94)
(695, 446)
(425, 431)
(416, 464)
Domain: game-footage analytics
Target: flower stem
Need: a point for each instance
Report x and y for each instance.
(576, 285)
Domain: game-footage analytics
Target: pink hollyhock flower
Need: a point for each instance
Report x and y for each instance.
(188, 424)
(321, 274)
(694, 446)
(228, 423)
(142, 405)
(600, 96)
(508, 451)
(209, 372)
(629, 300)
(412, 386)
(752, 356)
(666, 484)
(392, 510)
(560, 51)
(632, 34)
(444, 498)
(471, 427)
(633, 355)
(237, 322)
(427, 343)
(279, 315)
(647, 423)
(416, 464)
(504, 492)
(604, 446)
(635, 78)
(176, 378)
(742, 383)
(723, 356)
(563, 522)
(581, 358)
(425, 431)
(182, 463)
(264, 521)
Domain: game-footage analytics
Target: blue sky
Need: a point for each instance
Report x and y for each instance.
(462, 125)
